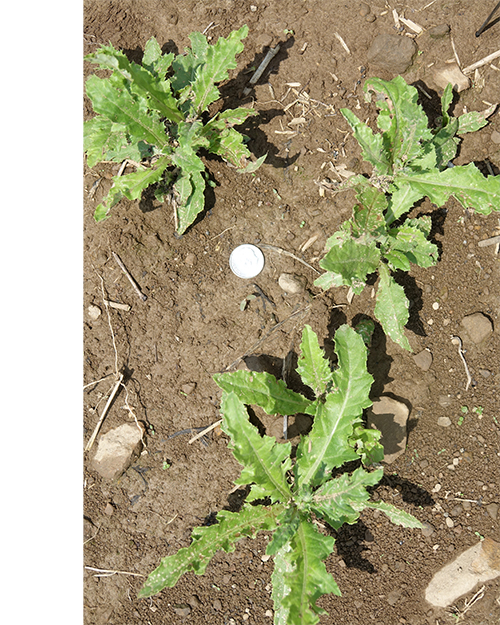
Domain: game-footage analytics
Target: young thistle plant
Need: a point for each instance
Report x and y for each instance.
(410, 161)
(288, 492)
(153, 116)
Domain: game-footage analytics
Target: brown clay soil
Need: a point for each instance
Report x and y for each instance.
(191, 325)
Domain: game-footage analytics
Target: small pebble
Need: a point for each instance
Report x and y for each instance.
(449, 522)
(190, 259)
(492, 510)
(423, 359)
(109, 509)
(364, 9)
(439, 31)
(291, 283)
(495, 136)
(94, 312)
(188, 388)
(428, 529)
(181, 609)
(435, 306)
(444, 422)
(370, 18)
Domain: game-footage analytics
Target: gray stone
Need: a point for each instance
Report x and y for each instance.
(428, 529)
(290, 283)
(364, 9)
(444, 422)
(94, 312)
(393, 53)
(492, 510)
(478, 327)
(181, 609)
(188, 388)
(495, 136)
(450, 73)
(476, 565)
(117, 449)
(439, 31)
(390, 417)
(423, 359)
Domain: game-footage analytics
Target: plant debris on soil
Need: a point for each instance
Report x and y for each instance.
(191, 321)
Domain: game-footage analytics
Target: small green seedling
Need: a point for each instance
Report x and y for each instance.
(154, 115)
(166, 465)
(290, 492)
(478, 410)
(410, 161)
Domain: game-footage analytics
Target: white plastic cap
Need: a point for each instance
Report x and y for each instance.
(246, 261)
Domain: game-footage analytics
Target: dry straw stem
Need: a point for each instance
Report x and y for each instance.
(109, 573)
(483, 61)
(260, 70)
(456, 340)
(205, 431)
(104, 412)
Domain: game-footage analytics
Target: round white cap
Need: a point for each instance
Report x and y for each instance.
(246, 261)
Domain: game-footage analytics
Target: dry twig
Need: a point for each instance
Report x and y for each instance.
(456, 340)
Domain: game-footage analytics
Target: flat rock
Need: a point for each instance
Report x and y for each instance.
(290, 283)
(439, 31)
(423, 360)
(389, 416)
(478, 327)
(117, 449)
(476, 565)
(444, 422)
(94, 312)
(450, 73)
(393, 53)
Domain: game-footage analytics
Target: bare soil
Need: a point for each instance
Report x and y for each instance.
(191, 325)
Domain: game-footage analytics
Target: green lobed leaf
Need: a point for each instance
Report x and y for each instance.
(446, 144)
(264, 390)
(185, 65)
(327, 445)
(342, 499)
(313, 367)
(465, 183)
(352, 260)
(220, 58)
(446, 100)
(190, 185)
(131, 186)
(119, 106)
(403, 196)
(397, 260)
(154, 61)
(252, 166)
(282, 566)
(265, 462)
(474, 120)
(365, 328)
(391, 308)
(408, 129)
(395, 515)
(308, 578)
(150, 86)
(289, 522)
(368, 218)
(231, 527)
(368, 446)
(411, 240)
(372, 145)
